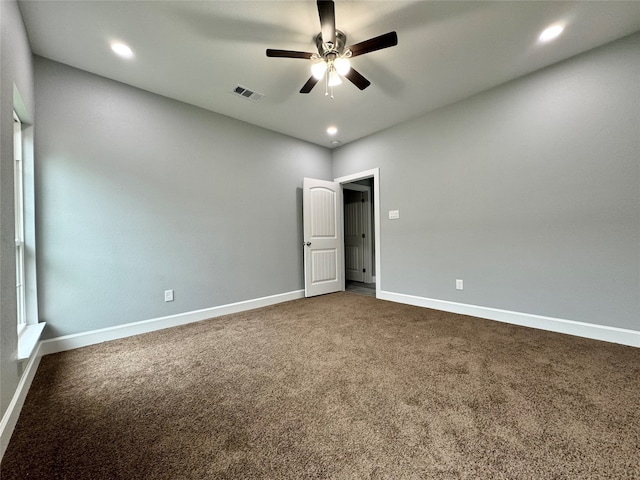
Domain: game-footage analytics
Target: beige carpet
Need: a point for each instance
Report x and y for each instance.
(341, 386)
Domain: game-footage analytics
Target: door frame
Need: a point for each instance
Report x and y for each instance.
(366, 247)
(375, 174)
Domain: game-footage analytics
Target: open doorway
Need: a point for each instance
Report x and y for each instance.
(361, 232)
(359, 244)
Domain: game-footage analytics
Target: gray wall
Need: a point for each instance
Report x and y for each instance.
(16, 69)
(529, 192)
(138, 193)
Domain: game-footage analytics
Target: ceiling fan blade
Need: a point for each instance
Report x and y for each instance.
(307, 87)
(326, 10)
(288, 54)
(357, 79)
(377, 43)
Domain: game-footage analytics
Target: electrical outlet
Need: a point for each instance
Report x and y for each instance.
(168, 295)
(459, 285)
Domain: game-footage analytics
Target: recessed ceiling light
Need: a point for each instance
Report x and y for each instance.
(551, 33)
(332, 130)
(122, 49)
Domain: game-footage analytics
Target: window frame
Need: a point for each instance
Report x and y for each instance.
(28, 326)
(18, 182)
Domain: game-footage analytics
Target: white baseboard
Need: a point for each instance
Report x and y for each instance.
(78, 340)
(570, 327)
(10, 418)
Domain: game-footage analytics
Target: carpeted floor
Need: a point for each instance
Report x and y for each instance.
(342, 386)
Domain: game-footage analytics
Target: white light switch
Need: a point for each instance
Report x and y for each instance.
(168, 295)
(394, 214)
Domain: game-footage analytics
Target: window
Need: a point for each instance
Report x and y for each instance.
(27, 324)
(18, 176)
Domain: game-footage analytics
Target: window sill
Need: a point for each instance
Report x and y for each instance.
(28, 339)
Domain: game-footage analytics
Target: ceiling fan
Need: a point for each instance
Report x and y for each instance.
(332, 59)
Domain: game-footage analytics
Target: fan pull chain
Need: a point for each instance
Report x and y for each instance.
(326, 84)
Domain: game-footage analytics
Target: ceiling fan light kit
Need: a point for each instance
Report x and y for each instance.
(332, 60)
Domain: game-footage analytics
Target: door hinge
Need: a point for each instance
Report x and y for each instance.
(364, 270)
(363, 235)
(362, 200)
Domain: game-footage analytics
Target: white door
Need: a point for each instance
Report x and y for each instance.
(353, 235)
(323, 238)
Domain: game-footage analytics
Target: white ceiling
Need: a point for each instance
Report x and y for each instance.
(197, 52)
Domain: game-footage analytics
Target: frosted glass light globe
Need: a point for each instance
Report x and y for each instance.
(334, 78)
(343, 65)
(318, 69)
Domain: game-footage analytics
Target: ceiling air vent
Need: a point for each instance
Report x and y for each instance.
(244, 92)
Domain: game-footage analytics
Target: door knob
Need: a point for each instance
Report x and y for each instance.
(308, 244)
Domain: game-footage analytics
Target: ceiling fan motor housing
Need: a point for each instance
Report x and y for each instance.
(325, 49)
